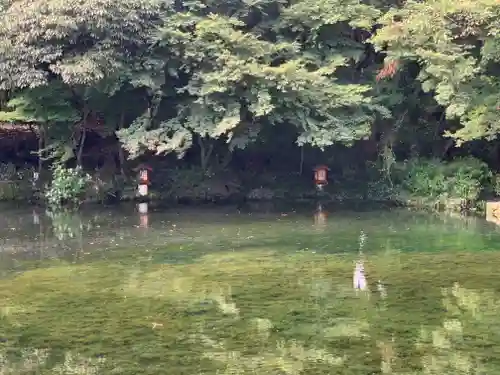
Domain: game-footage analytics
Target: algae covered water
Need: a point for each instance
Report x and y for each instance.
(227, 291)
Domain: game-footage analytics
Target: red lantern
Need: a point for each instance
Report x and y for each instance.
(144, 177)
(144, 174)
(321, 175)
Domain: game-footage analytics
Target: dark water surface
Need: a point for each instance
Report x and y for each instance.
(266, 291)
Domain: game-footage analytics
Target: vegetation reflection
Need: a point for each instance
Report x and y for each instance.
(254, 312)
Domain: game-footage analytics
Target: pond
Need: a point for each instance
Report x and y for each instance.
(248, 291)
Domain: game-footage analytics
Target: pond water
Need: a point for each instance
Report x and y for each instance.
(265, 291)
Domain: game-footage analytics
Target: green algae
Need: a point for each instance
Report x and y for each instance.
(254, 294)
(255, 311)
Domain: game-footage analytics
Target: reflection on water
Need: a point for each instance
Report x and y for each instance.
(68, 225)
(359, 279)
(320, 217)
(234, 292)
(34, 361)
(23, 230)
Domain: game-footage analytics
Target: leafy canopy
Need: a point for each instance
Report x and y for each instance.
(456, 44)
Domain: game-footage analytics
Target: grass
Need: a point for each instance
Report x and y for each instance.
(253, 311)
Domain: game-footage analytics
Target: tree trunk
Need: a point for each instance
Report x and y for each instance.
(41, 145)
(83, 135)
(226, 160)
(450, 143)
(80, 147)
(301, 166)
(205, 154)
(4, 97)
(121, 155)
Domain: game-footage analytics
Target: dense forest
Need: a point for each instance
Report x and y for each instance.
(397, 98)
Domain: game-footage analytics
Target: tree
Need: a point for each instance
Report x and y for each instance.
(235, 72)
(85, 49)
(455, 43)
(78, 42)
(50, 109)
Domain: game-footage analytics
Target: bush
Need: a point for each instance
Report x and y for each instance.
(16, 184)
(456, 183)
(67, 187)
(193, 184)
(495, 188)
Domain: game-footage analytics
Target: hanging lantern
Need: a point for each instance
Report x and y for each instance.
(143, 179)
(321, 175)
(144, 174)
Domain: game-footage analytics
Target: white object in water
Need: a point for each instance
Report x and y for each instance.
(359, 279)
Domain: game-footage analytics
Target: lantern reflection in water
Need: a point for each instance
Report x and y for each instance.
(143, 215)
(320, 217)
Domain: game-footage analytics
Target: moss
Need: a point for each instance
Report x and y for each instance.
(234, 311)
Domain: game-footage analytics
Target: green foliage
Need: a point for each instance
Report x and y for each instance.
(81, 42)
(44, 105)
(51, 108)
(456, 45)
(67, 186)
(15, 184)
(9, 191)
(165, 74)
(496, 184)
(205, 70)
(184, 180)
(194, 184)
(460, 181)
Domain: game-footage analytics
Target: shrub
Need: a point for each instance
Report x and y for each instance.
(460, 181)
(495, 188)
(16, 184)
(67, 187)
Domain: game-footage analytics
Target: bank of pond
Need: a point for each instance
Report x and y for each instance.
(461, 185)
